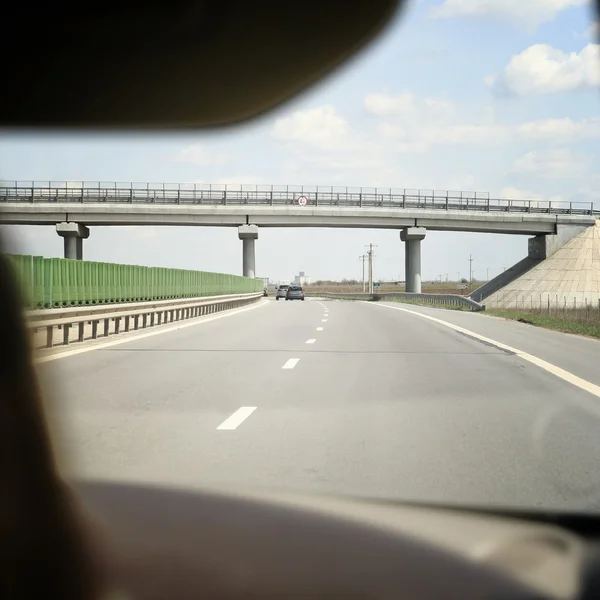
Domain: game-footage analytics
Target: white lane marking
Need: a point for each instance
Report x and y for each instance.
(323, 320)
(311, 341)
(583, 384)
(319, 329)
(291, 363)
(199, 321)
(237, 418)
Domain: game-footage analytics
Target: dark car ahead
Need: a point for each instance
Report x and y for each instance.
(295, 292)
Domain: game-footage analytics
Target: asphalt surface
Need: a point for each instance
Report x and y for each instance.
(383, 403)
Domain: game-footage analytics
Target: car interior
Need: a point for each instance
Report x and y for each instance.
(204, 65)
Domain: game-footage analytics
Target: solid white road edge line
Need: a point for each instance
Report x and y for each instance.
(291, 363)
(311, 341)
(237, 418)
(196, 321)
(583, 384)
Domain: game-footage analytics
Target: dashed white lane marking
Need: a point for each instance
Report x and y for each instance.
(323, 320)
(237, 418)
(193, 322)
(291, 363)
(319, 329)
(583, 384)
(311, 341)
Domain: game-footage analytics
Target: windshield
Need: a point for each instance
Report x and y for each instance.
(436, 203)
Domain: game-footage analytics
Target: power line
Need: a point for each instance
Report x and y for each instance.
(471, 259)
(371, 254)
(363, 258)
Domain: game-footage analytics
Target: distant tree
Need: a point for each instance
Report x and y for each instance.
(463, 280)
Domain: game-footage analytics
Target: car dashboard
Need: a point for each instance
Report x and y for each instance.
(164, 543)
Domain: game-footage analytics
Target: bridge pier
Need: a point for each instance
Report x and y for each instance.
(412, 237)
(73, 235)
(248, 234)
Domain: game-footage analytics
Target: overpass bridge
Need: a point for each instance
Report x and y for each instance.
(74, 207)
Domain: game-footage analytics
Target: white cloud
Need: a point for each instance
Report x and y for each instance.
(321, 127)
(551, 164)
(530, 12)
(385, 105)
(564, 129)
(541, 69)
(323, 148)
(196, 154)
(244, 180)
(415, 125)
(408, 107)
(514, 193)
(473, 134)
(589, 191)
(418, 123)
(321, 142)
(233, 180)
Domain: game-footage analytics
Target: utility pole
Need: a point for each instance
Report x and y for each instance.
(471, 259)
(363, 258)
(487, 274)
(371, 255)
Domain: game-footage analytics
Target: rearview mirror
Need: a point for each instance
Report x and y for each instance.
(178, 64)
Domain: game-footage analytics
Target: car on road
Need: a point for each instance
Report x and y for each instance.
(295, 292)
(282, 291)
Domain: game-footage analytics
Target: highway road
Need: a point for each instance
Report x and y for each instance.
(370, 399)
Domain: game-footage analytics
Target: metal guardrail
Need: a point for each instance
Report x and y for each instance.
(151, 314)
(276, 195)
(450, 300)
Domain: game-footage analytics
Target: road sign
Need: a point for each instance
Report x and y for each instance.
(302, 201)
(376, 285)
(461, 286)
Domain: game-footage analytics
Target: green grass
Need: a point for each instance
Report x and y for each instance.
(579, 321)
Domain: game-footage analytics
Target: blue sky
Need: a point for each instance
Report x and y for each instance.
(498, 96)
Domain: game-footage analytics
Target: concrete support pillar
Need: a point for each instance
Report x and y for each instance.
(412, 237)
(248, 234)
(73, 235)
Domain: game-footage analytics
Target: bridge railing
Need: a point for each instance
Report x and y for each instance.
(276, 195)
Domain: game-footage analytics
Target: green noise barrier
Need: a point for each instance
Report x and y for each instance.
(59, 282)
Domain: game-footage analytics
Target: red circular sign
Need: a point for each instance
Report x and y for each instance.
(302, 201)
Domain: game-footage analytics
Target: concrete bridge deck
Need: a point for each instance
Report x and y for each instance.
(283, 206)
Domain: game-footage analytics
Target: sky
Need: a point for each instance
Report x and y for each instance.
(496, 96)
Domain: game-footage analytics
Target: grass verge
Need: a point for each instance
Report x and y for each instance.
(581, 322)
